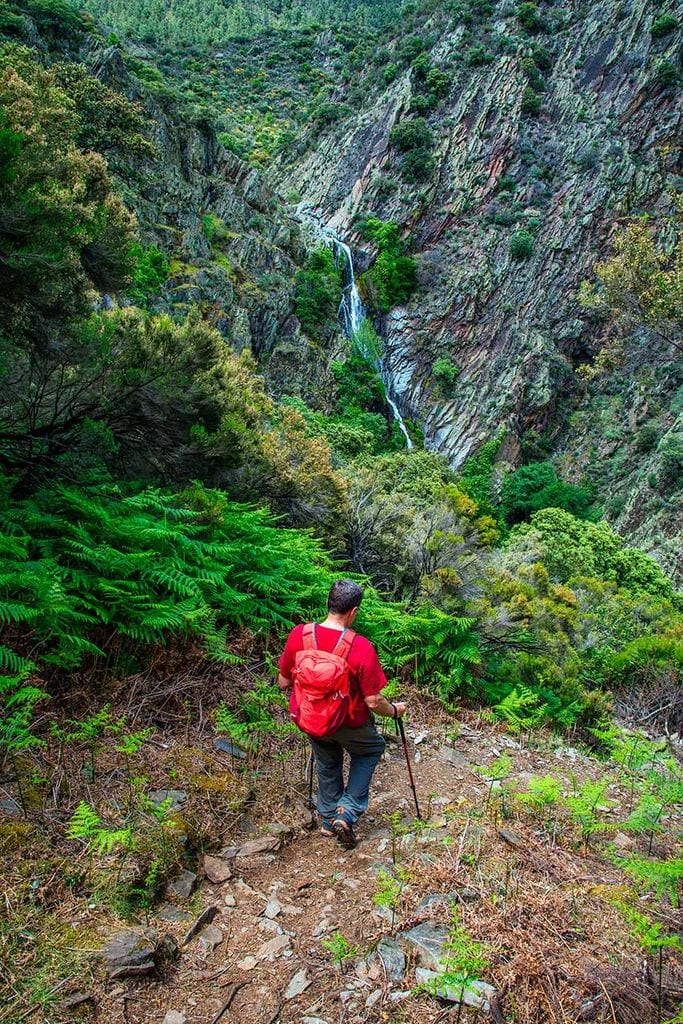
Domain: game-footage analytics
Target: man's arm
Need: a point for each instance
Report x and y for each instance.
(283, 682)
(379, 705)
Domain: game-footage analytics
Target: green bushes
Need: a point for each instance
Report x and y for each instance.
(326, 113)
(445, 373)
(410, 135)
(393, 277)
(56, 14)
(663, 26)
(529, 17)
(150, 270)
(569, 547)
(531, 102)
(521, 245)
(318, 293)
(646, 661)
(665, 74)
(537, 486)
(414, 139)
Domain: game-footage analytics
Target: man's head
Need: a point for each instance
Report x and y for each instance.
(343, 600)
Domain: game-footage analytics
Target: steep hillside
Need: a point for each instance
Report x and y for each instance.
(554, 127)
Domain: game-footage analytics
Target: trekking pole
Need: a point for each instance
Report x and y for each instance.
(310, 781)
(402, 733)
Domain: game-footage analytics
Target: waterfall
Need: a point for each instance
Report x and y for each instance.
(352, 315)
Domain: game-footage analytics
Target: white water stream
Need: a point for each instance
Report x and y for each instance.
(352, 315)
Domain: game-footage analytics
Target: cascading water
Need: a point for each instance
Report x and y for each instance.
(352, 315)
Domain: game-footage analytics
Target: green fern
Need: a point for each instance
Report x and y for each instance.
(522, 709)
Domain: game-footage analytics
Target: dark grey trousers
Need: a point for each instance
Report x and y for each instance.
(364, 746)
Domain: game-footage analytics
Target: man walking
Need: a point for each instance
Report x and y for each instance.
(336, 681)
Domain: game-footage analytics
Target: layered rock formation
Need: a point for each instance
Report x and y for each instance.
(233, 249)
(601, 149)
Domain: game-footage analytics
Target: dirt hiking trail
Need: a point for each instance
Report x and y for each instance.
(287, 926)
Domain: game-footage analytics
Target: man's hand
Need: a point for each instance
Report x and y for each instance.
(381, 706)
(283, 683)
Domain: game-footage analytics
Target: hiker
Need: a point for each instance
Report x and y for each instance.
(336, 682)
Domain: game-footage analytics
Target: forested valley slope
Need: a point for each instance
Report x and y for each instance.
(294, 290)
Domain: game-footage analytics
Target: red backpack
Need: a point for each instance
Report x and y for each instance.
(320, 695)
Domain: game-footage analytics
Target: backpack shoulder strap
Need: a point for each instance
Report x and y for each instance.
(309, 637)
(344, 643)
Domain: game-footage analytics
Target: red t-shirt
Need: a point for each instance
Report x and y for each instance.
(365, 672)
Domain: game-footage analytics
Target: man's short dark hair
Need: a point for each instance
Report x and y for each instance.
(344, 595)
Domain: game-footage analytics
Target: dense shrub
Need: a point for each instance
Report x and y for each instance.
(663, 26)
(478, 56)
(531, 102)
(393, 277)
(647, 660)
(665, 74)
(150, 270)
(318, 292)
(411, 135)
(326, 113)
(445, 372)
(521, 245)
(537, 486)
(529, 17)
(647, 437)
(417, 165)
(569, 547)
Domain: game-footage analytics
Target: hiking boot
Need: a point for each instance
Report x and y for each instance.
(344, 833)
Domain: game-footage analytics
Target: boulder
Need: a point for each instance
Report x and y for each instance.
(264, 844)
(182, 885)
(298, 984)
(427, 941)
(477, 994)
(130, 954)
(216, 869)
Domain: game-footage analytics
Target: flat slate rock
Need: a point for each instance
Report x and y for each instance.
(206, 917)
(298, 984)
(391, 958)
(130, 954)
(216, 869)
(269, 950)
(264, 844)
(444, 899)
(176, 796)
(175, 1017)
(10, 806)
(169, 912)
(227, 747)
(427, 940)
(452, 756)
(210, 937)
(182, 885)
(70, 1002)
(510, 837)
(477, 994)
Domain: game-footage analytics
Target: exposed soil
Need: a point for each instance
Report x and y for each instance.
(544, 905)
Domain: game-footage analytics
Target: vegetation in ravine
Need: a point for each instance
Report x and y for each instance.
(162, 515)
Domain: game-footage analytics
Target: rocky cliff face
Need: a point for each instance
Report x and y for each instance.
(233, 250)
(601, 148)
